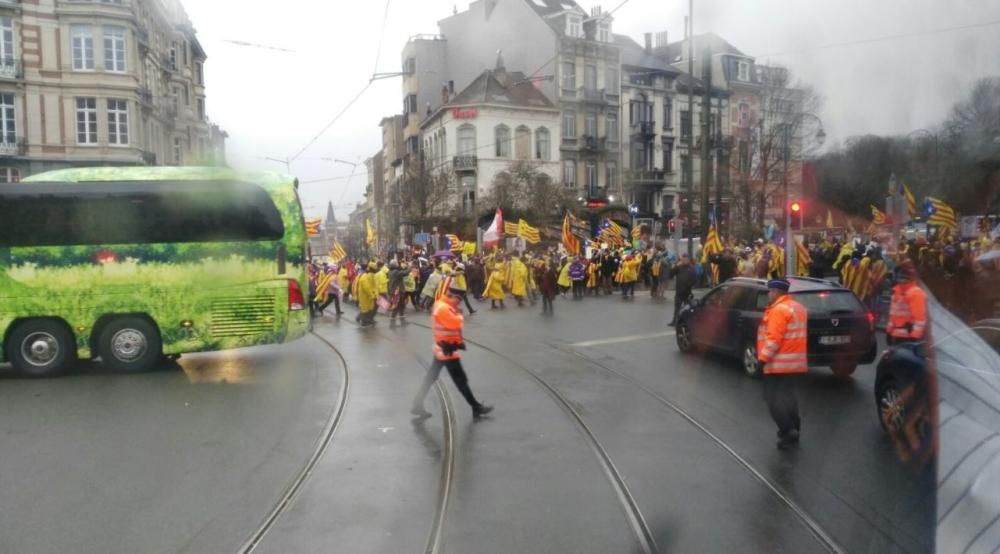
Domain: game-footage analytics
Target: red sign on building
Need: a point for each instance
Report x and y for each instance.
(468, 113)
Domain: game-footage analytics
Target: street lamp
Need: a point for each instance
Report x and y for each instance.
(790, 249)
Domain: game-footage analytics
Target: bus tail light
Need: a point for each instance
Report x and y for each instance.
(296, 301)
(871, 321)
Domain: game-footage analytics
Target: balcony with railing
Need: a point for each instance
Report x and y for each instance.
(12, 148)
(10, 69)
(644, 129)
(646, 178)
(592, 95)
(465, 163)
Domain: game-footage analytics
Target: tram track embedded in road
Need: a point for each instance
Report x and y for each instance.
(326, 437)
(633, 514)
(812, 525)
(434, 536)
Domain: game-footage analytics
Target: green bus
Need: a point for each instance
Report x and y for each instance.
(134, 264)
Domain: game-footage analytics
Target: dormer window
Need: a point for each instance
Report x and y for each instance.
(604, 33)
(574, 26)
(743, 71)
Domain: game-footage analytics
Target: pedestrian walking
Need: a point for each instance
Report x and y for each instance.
(397, 290)
(685, 277)
(578, 275)
(629, 275)
(494, 286)
(782, 357)
(367, 295)
(547, 285)
(908, 310)
(460, 280)
(447, 329)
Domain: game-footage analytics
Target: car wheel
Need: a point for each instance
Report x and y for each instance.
(684, 343)
(130, 344)
(40, 348)
(891, 408)
(844, 369)
(748, 360)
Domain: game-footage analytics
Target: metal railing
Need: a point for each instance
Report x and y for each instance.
(658, 176)
(465, 163)
(10, 68)
(592, 95)
(644, 128)
(16, 148)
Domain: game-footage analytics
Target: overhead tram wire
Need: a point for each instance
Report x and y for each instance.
(340, 114)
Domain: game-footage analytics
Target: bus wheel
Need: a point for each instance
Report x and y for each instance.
(130, 344)
(41, 348)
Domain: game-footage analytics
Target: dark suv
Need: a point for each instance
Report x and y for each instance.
(841, 330)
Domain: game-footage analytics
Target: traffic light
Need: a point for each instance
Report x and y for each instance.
(672, 226)
(795, 214)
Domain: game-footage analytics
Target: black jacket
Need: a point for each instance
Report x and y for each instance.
(685, 279)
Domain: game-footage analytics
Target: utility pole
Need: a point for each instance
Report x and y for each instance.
(706, 139)
(690, 159)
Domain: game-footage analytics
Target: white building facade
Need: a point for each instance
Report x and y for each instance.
(475, 141)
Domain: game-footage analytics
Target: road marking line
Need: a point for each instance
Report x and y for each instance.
(629, 338)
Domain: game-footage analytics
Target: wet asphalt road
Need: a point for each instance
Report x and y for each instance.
(605, 439)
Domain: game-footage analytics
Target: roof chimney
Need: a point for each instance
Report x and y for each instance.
(649, 43)
(661, 39)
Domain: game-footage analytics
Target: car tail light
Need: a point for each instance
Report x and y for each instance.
(296, 301)
(871, 321)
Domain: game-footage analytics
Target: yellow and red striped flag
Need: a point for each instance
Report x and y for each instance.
(569, 240)
(312, 227)
(511, 229)
(911, 202)
(878, 216)
(939, 213)
(528, 233)
(337, 253)
(455, 244)
(802, 259)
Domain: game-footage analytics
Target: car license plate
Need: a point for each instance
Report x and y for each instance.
(831, 341)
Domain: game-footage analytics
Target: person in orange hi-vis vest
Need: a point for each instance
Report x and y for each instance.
(908, 310)
(782, 356)
(447, 328)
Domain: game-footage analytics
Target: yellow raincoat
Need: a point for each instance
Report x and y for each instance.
(564, 280)
(382, 280)
(518, 278)
(494, 285)
(367, 292)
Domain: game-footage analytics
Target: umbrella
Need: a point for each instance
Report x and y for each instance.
(989, 256)
(444, 254)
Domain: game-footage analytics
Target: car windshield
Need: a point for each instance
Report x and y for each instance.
(496, 276)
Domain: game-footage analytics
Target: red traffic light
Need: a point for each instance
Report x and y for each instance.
(796, 207)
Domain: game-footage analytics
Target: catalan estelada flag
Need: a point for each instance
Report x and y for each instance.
(312, 227)
(455, 244)
(939, 213)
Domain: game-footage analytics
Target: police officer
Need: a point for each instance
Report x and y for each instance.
(447, 328)
(908, 310)
(782, 356)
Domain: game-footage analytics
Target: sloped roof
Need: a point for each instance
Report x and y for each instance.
(717, 44)
(549, 7)
(511, 88)
(633, 54)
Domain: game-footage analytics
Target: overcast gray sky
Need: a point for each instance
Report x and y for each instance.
(883, 66)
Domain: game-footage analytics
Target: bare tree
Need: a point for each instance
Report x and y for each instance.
(524, 189)
(782, 132)
(426, 193)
